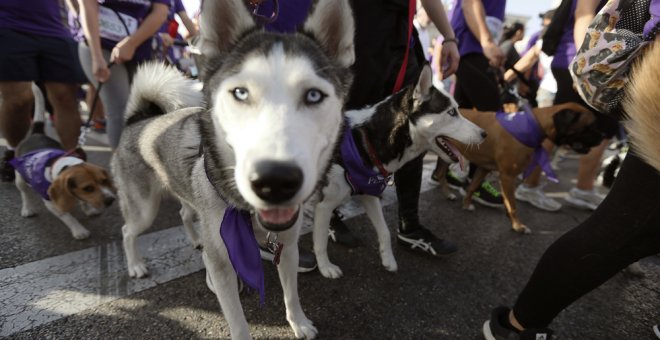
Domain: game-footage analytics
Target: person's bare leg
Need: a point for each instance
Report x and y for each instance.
(15, 110)
(514, 322)
(589, 165)
(98, 113)
(67, 117)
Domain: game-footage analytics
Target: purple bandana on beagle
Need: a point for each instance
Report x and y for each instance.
(237, 233)
(32, 168)
(523, 126)
(363, 180)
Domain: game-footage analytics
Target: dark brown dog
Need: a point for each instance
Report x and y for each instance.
(568, 124)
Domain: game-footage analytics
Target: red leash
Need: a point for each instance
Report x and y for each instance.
(412, 7)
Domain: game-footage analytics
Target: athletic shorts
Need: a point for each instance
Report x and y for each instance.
(29, 57)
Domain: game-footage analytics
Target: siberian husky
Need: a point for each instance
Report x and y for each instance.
(253, 153)
(415, 120)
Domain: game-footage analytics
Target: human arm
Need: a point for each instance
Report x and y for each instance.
(475, 17)
(187, 22)
(89, 17)
(585, 11)
(125, 49)
(525, 63)
(448, 57)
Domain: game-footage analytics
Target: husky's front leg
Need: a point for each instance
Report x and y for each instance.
(288, 272)
(374, 210)
(224, 280)
(322, 216)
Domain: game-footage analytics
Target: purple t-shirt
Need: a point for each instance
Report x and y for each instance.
(176, 6)
(291, 15)
(138, 9)
(38, 17)
(566, 50)
(467, 42)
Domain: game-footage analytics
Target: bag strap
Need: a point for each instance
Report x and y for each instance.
(412, 6)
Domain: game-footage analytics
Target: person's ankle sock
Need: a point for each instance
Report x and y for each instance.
(504, 321)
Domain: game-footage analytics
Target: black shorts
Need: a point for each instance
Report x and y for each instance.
(29, 57)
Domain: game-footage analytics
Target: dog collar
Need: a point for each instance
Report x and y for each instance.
(59, 165)
(361, 177)
(525, 129)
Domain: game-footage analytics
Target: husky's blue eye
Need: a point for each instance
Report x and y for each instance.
(240, 93)
(314, 96)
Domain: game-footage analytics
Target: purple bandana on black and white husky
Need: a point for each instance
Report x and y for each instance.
(363, 180)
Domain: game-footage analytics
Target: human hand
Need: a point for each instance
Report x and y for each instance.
(449, 58)
(123, 51)
(167, 39)
(100, 69)
(493, 53)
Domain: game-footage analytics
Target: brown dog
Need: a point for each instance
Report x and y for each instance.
(60, 179)
(568, 124)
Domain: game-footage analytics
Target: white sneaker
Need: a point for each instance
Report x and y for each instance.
(536, 197)
(584, 199)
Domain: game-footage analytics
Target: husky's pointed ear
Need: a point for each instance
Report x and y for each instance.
(331, 23)
(424, 84)
(222, 23)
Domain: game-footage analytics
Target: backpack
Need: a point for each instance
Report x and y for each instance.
(613, 40)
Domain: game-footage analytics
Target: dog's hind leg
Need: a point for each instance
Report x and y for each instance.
(139, 210)
(288, 272)
(374, 210)
(187, 216)
(27, 207)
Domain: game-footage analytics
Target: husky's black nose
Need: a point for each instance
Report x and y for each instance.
(276, 182)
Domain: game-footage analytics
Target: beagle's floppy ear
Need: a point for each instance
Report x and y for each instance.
(60, 193)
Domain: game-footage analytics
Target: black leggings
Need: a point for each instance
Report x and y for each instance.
(624, 229)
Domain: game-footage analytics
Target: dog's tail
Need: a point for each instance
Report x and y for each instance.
(39, 110)
(643, 106)
(158, 89)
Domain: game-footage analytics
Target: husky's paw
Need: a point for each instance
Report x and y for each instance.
(330, 271)
(138, 269)
(80, 233)
(389, 262)
(303, 328)
(27, 211)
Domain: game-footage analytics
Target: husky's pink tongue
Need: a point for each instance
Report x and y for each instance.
(277, 215)
(461, 159)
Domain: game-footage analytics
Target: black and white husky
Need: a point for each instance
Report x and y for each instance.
(260, 145)
(387, 136)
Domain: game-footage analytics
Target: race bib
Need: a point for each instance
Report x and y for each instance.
(115, 26)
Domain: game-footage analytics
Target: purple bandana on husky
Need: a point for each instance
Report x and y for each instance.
(524, 127)
(32, 168)
(362, 179)
(237, 233)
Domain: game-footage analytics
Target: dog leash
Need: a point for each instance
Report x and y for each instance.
(86, 127)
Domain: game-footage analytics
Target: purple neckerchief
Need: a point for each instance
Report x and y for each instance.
(652, 24)
(237, 234)
(524, 128)
(32, 168)
(363, 180)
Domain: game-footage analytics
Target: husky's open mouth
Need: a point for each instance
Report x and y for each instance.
(449, 149)
(278, 219)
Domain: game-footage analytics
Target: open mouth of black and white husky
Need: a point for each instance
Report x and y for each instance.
(449, 149)
(278, 219)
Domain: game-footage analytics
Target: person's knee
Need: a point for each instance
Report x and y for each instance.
(63, 96)
(16, 98)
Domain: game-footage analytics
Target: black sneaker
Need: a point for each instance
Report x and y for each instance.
(306, 258)
(423, 240)
(339, 232)
(7, 173)
(454, 181)
(487, 195)
(499, 328)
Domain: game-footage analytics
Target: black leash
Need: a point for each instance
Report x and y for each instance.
(86, 127)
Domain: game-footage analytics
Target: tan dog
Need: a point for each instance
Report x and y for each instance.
(568, 124)
(60, 179)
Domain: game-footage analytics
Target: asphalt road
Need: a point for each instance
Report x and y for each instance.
(428, 298)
